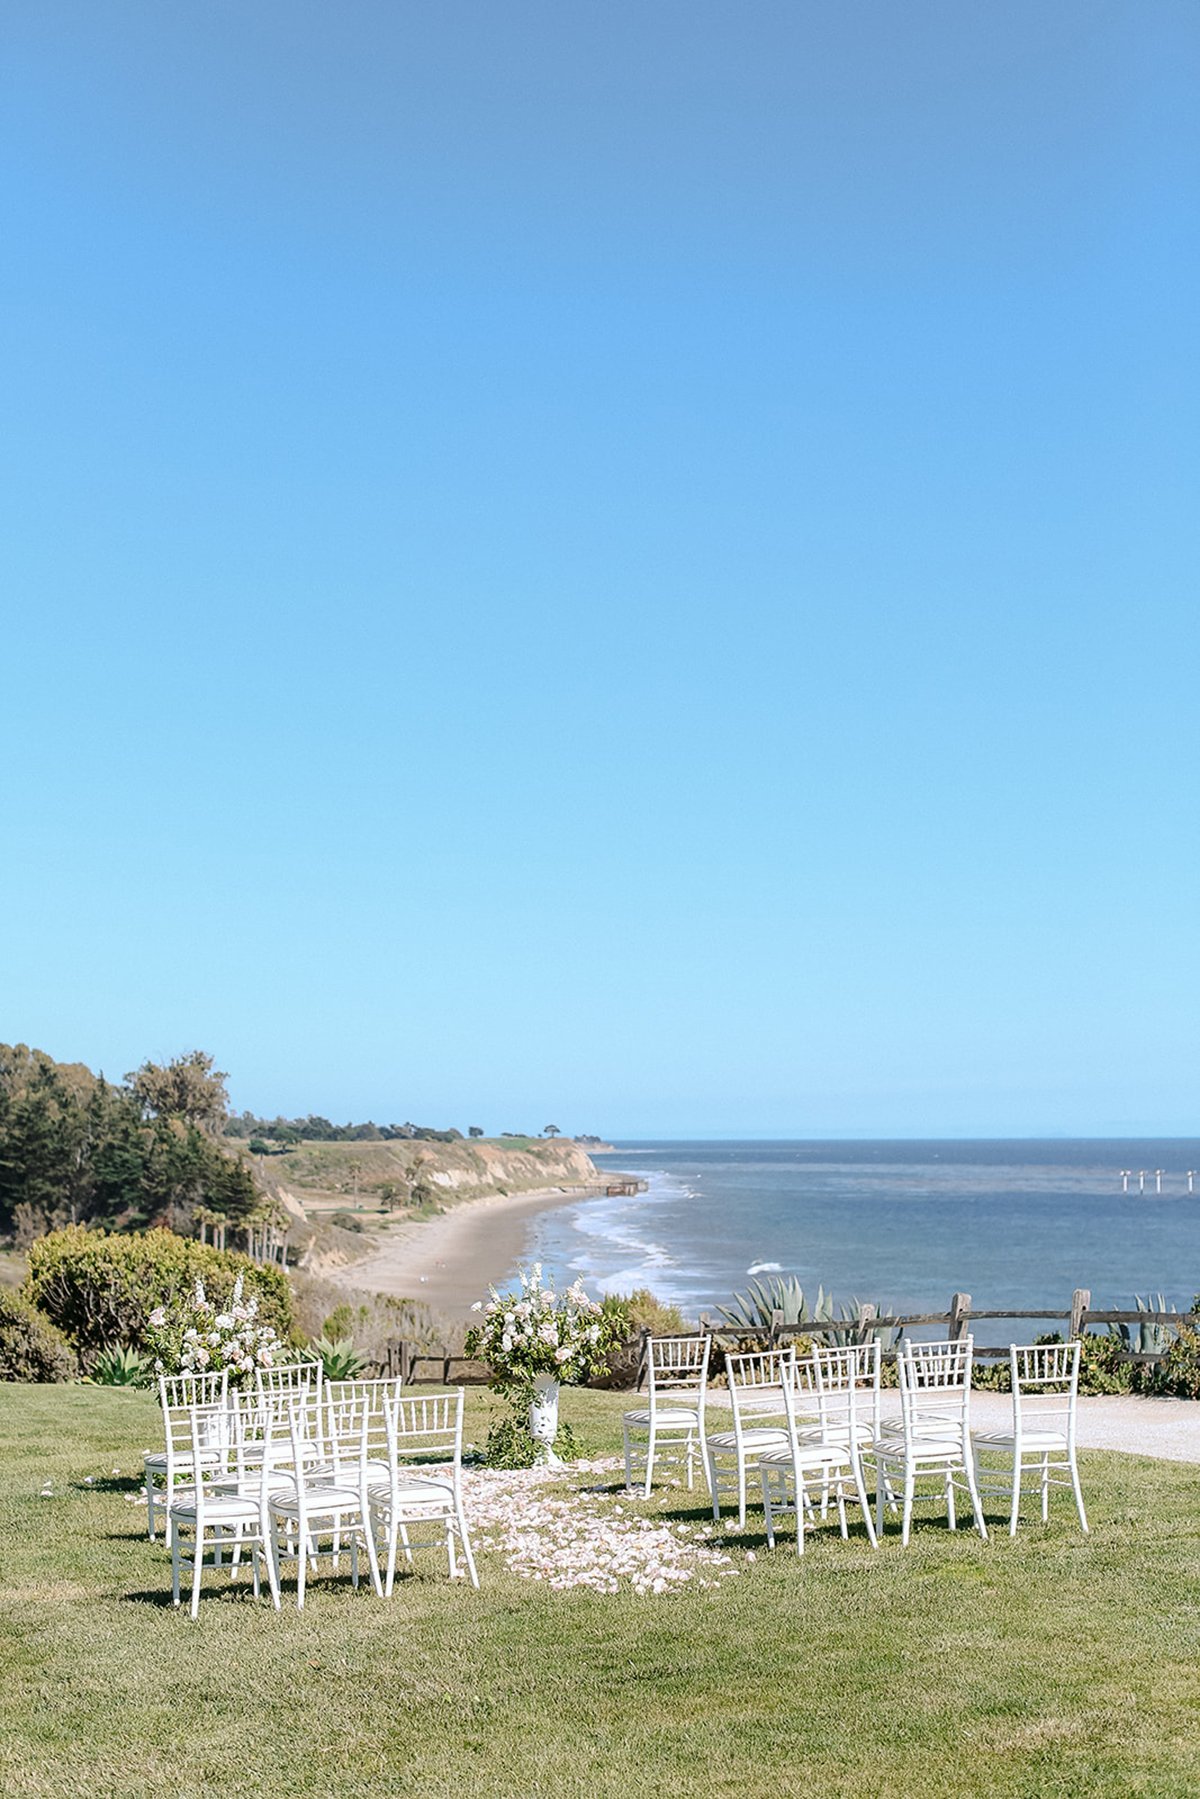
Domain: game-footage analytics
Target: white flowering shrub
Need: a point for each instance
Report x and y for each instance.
(191, 1336)
(537, 1330)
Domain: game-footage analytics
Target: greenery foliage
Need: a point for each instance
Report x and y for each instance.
(315, 1129)
(509, 1444)
(31, 1348)
(75, 1149)
(100, 1288)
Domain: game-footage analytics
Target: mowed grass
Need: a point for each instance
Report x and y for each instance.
(1052, 1665)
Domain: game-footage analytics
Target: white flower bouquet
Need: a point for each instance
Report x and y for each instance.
(195, 1336)
(539, 1331)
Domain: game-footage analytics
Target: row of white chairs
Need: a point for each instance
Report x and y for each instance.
(299, 1468)
(816, 1423)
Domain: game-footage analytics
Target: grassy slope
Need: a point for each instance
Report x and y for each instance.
(1048, 1666)
(328, 1175)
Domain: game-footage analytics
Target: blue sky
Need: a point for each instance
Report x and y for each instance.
(626, 566)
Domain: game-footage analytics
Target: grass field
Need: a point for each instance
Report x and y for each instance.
(1053, 1665)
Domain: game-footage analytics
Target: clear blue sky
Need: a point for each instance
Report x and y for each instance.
(625, 565)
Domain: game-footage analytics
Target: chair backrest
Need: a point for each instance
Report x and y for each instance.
(848, 1386)
(291, 1378)
(757, 1381)
(184, 1390)
(935, 1387)
(425, 1426)
(1045, 1387)
(677, 1365)
(199, 1438)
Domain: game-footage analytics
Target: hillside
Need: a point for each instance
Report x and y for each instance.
(407, 1177)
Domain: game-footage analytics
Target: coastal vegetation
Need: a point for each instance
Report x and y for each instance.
(1043, 1665)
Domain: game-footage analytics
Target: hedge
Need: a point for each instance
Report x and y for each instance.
(31, 1348)
(100, 1288)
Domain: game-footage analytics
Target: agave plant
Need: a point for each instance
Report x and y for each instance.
(783, 1294)
(118, 1365)
(340, 1359)
(1146, 1339)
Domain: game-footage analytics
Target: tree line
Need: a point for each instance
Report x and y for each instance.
(315, 1129)
(75, 1148)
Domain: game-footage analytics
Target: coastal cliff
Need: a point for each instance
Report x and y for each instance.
(406, 1176)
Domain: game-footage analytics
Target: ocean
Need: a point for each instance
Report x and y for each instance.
(904, 1224)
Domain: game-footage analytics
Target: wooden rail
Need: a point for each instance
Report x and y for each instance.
(409, 1362)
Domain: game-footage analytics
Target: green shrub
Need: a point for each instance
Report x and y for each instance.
(346, 1221)
(1101, 1369)
(509, 1443)
(1176, 1374)
(100, 1288)
(119, 1366)
(30, 1346)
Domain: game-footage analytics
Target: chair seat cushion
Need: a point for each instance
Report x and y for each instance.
(319, 1501)
(811, 1455)
(218, 1508)
(836, 1433)
(1030, 1439)
(415, 1489)
(666, 1414)
(762, 1436)
(156, 1462)
(922, 1449)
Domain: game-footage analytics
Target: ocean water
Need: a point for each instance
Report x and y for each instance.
(905, 1224)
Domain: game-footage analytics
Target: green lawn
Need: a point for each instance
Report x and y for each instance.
(1055, 1665)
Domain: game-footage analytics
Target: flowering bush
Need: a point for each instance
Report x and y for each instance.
(537, 1331)
(193, 1337)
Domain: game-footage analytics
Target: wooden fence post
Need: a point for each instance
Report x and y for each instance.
(641, 1375)
(1081, 1302)
(776, 1325)
(867, 1314)
(960, 1324)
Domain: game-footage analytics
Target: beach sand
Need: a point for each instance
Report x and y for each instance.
(448, 1261)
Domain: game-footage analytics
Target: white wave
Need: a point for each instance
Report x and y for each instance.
(765, 1268)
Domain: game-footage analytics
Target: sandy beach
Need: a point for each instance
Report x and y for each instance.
(448, 1261)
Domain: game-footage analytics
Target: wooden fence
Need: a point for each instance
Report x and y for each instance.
(452, 1368)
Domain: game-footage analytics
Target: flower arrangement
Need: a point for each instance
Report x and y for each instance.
(538, 1331)
(190, 1336)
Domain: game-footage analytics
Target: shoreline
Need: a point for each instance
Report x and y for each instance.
(448, 1262)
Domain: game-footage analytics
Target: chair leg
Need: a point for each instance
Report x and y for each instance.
(976, 1503)
(882, 1488)
(465, 1540)
(951, 1510)
(372, 1550)
(197, 1568)
(860, 1485)
(150, 1503)
(393, 1537)
(270, 1536)
(906, 1520)
(174, 1535)
(1078, 1492)
(628, 1461)
(768, 1508)
(1045, 1489)
(301, 1561)
(1014, 1511)
(649, 1464)
(714, 1482)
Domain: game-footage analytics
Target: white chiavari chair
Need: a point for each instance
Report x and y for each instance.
(422, 1491)
(756, 1384)
(789, 1470)
(177, 1395)
(329, 1453)
(231, 1511)
(934, 1439)
(673, 1420)
(1045, 1391)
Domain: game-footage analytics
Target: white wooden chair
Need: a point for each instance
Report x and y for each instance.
(422, 1487)
(177, 1395)
(232, 1511)
(788, 1470)
(676, 1383)
(756, 1389)
(934, 1440)
(1045, 1389)
(329, 1452)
